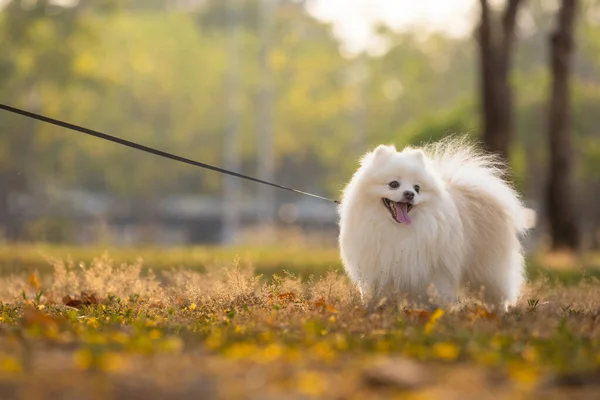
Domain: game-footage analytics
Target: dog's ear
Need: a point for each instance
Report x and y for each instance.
(381, 152)
(383, 149)
(419, 155)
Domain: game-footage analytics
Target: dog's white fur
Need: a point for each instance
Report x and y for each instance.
(466, 223)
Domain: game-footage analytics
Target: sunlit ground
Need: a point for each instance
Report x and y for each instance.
(201, 323)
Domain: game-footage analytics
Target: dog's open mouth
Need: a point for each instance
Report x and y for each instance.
(398, 210)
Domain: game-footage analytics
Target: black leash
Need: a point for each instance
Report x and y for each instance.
(151, 150)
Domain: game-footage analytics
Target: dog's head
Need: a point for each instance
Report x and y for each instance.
(401, 182)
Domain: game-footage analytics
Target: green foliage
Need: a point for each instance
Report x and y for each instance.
(158, 77)
(459, 120)
(156, 74)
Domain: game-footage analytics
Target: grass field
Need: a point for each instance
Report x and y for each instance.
(199, 323)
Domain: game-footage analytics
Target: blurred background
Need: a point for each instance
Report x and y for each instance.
(289, 91)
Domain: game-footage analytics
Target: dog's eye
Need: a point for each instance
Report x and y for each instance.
(417, 188)
(394, 184)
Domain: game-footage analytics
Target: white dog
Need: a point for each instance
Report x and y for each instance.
(440, 217)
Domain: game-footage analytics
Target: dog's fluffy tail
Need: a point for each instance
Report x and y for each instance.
(463, 165)
(529, 219)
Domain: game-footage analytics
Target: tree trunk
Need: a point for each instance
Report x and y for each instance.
(487, 74)
(496, 46)
(561, 205)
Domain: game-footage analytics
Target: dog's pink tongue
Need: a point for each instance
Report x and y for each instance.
(402, 213)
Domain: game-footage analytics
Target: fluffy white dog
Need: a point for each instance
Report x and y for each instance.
(440, 217)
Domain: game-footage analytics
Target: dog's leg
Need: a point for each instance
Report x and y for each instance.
(371, 298)
(502, 283)
(445, 287)
(367, 292)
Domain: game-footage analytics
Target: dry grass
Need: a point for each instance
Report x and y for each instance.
(27, 257)
(111, 330)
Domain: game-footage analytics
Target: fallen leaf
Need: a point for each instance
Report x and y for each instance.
(481, 312)
(69, 301)
(85, 300)
(320, 302)
(34, 317)
(422, 315)
(286, 298)
(289, 296)
(88, 298)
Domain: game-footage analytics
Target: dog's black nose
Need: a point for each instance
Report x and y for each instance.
(408, 195)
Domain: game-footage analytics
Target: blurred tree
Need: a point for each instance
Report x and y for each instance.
(30, 61)
(156, 73)
(496, 47)
(461, 119)
(561, 209)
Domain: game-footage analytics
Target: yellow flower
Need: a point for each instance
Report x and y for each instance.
(11, 365)
(487, 358)
(272, 352)
(530, 354)
(112, 362)
(433, 320)
(496, 342)
(240, 351)
(266, 336)
(84, 359)
(446, 351)
(311, 384)
(524, 374)
(119, 337)
(214, 340)
(155, 334)
(382, 346)
(172, 344)
(239, 329)
(293, 355)
(414, 396)
(96, 338)
(193, 306)
(416, 351)
(341, 342)
(323, 351)
(93, 322)
(52, 332)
